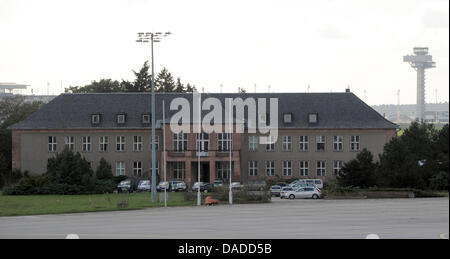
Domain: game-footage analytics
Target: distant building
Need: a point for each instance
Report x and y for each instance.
(12, 89)
(406, 113)
(317, 134)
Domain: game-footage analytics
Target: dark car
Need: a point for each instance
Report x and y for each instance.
(282, 184)
(127, 185)
(204, 187)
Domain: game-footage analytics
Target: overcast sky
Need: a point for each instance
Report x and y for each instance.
(288, 44)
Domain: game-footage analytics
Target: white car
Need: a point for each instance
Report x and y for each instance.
(305, 193)
(307, 182)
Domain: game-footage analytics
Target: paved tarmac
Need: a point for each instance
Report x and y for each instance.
(388, 218)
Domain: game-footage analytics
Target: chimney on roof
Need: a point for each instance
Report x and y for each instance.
(347, 90)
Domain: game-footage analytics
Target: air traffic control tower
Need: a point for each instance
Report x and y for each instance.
(420, 61)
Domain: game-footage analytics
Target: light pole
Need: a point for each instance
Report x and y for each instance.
(146, 38)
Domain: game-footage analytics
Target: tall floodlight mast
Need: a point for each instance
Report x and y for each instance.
(420, 61)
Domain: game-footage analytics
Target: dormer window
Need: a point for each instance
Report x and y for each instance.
(95, 119)
(121, 118)
(146, 118)
(312, 118)
(287, 118)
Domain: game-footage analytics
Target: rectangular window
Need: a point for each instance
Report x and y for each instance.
(180, 142)
(287, 118)
(312, 118)
(137, 168)
(120, 168)
(121, 118)
(86, 144)
(304, 168)
(156, 143)
(95, 119)
(355, 144)
(321, 168)
(202, 143)
(103, 144)
(304, 143)
(70, 143)
(225, 142)
(120, 143)
(287, 168)
(270, 146)
(223, 170)
(146, 119)
(253, 168)
(338, 143)
(51, 144)
(179, 170)
(287, 143)
(337, 167)
(253, 143)
(270, 168)
(320, 140)
(137, 145)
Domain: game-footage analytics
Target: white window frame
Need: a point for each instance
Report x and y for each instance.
(270, 168)
(304, 168)
(287, 168)
(70, 142)
(202, 140)
(287, 118)
(321, 168)
(180, 142)
(321, 140)
(95, 118)
(120, 143)
(52, 144)
(338, 143)
(270, 146)
(224, 142)
(121, 118)
(287, 143)
(303, 143)
(86, 143)
(137, 143)
(223, 170)
(253, 168)
(253, 143)
(120, 168)
(355, 141)
(179, 170)
(137, 168)
(146, 118)
(156, 143)
(103, 142)
(337, 166)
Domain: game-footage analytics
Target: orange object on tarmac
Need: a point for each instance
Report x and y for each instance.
(210, 201)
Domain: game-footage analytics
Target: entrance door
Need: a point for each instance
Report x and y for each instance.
(204, 172)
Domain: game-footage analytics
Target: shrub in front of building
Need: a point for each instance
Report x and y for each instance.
(67, 173)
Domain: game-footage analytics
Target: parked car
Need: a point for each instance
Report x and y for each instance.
(144, 186)
(177, 186)
(236, 186)
(204, 187)
(163, 186)
(285, 190)
(218, 183)
(307, 183)
(305, 193)
(282, 184)
(275, 190)
(127, 185)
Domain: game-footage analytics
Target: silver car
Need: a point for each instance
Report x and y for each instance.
(305, 193)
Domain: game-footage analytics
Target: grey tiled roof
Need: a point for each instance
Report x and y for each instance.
(73, 111)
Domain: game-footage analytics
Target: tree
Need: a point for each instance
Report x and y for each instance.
(164, 82)
(411, 160)
(13, 110)
(359, 172)
(102, 86)
(143, 81)
(104, 170)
